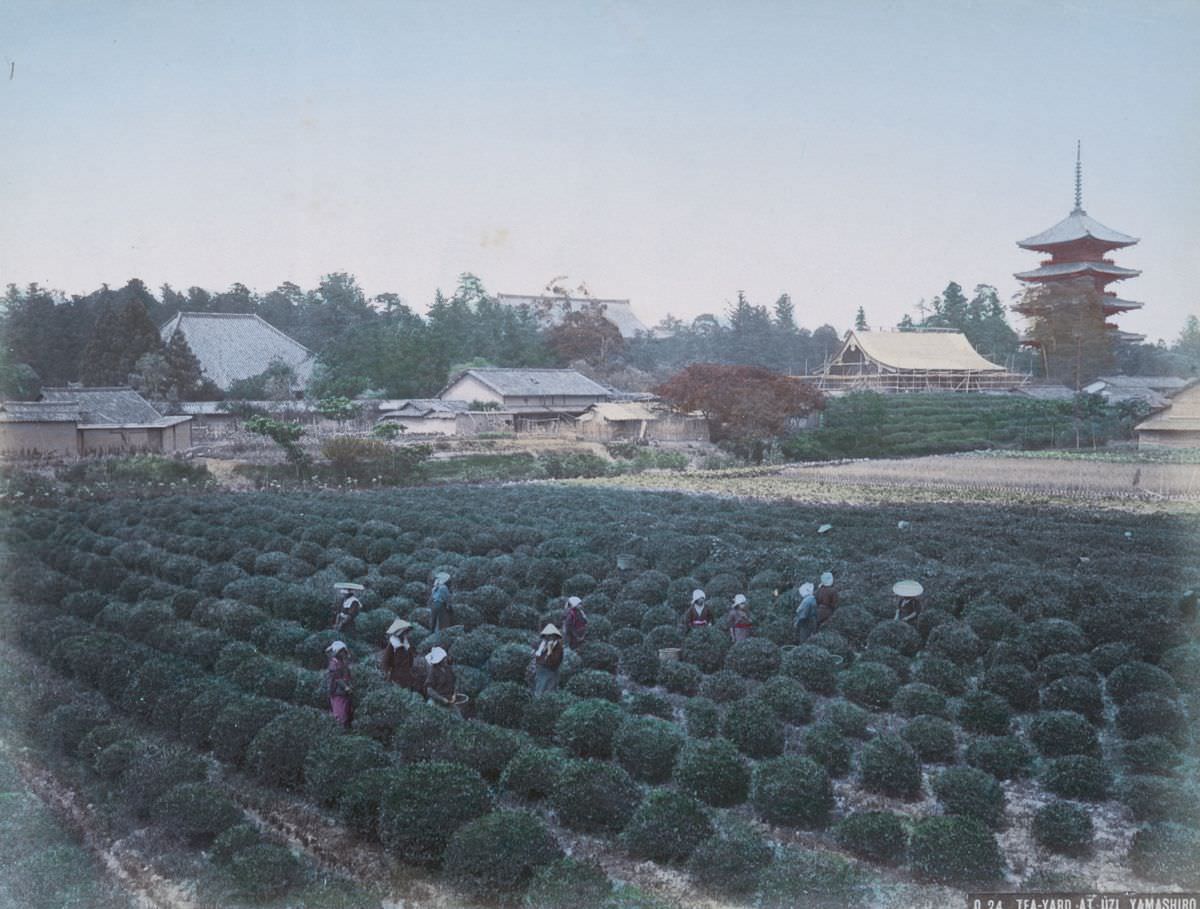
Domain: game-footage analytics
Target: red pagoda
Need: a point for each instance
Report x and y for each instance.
(1077, 245)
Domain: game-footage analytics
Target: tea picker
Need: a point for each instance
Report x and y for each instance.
(547, 659)
(340, 684)
(908, 600)
(805, 622)
(439, 602)
(440, 682)
(574, 622)
(740, 623)
(348, 607)
(397, 659)
(698, 615)
(827, 598)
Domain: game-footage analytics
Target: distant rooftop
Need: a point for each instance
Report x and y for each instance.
(1078, 225)
(552, 308)
(534, 383)
(235, 346)
(114, 405)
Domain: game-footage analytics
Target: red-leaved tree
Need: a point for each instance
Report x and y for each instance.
(744, 405)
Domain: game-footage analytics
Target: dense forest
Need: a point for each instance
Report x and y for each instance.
(381, 345)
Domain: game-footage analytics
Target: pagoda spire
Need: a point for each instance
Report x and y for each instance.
(1078, 177)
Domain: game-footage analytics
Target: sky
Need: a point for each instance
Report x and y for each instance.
(849, 153)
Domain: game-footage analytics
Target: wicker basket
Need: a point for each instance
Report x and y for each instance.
(668, 654)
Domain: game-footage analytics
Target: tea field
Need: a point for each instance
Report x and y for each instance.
(1036, 727)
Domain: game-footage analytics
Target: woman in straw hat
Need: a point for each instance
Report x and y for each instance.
(547, 658)
(439, 678)
(827, 598)
(397, 660)
(805, 622)
(908, 601)
(341, 687)
(348, 608)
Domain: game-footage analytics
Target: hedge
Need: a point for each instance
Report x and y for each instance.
(198, 811)
(425, 804)
(889, 765)
(667, 827)
(880, 836)
(712, 771)
(793, 791)
(595, 797)
(647, 747)
(954, 850)
(494, 857)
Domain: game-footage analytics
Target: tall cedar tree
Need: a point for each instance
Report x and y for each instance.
(185, 377)
(123, 333)
(1067, 322)
(743, 404)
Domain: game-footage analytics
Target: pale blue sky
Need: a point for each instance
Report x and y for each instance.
(673, 153)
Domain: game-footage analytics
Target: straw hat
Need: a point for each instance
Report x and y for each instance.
(907, 589)
(347, 587)
(827, 579)
(336, 647)
(698, 594)
(806, 589)
(398, 626)
(574, 601)
(436, 656)
(739, 600)
(551, 631)
(442, 577)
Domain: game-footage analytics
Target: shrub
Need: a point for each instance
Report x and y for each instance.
(984, 713)
(329, 768)
(667, 827)
(705, 648)
(814, 667)
(851, 622)
(1059, 665)
(532, 772)
(880, 836)
(276, 756)
(754, 658)
(264, 870)
(1183, 665)
(955, 641)
(1064, 828)
(793, 791)
(496, 856)
(703, 718)
(724, 686)
(423, 733)
(1153, 798)
(600, 656)
(155, 769)
(233, 840)
(680, 678)
(851, 719)
(380, 710)
(1107, 657)
(1167, 853)
(870, 684)
(1077, 777)
(1005, 757)
(942, 674)
(588, 726)
(889, 765)
(1014, 683)
(592, 683)
(647, 747)
(1077, 693)
(237, 725)
(508, 663)
(712, 771)
(568, 884)
(198, 811)
(899, 636)
(787, 698)
(595, 797)
(991, 622)
(503, 704)
(1128, 681)
(729, 862)
(1152, 714)
(358, 805)
(541, 715)
(647, 703)
(954, 850)
(918, 698)
(931, 737)
(753, 726)
(66, 725)
(825, 744)
(1051, 636)
(640, 664)
(1151, 754)
(1061, 732)
(803, 877)
(971, 793)
(450, 793)
(485, 749)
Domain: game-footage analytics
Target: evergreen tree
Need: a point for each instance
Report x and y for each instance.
(123, 334)
(860, 320)
(185, 377)
(1067, 322)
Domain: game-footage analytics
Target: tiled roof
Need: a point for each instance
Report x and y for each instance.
(554, 308)
(39, 412)
(422, 407)
(234, 346)
(535, 383)
(1066, 269)
(1077, 226)
(113, 406)
(1158, 383)
(919, 350)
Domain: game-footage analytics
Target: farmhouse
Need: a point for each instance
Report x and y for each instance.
(71, 422)
(905, 361)
(236, 346)
(433, 416)
(1178, 426)
(531, 395)
(551, 309)
(615, 421)
(1154, 391)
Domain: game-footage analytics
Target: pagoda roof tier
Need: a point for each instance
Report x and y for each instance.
(1116, 304)
(1076, 269)
(1075, 227)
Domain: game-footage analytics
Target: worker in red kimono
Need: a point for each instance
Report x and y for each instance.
(698, 614)
(397, 660)
(439, 678)
(740, 623)
(574, 623)
(341, 687)
(827, 598)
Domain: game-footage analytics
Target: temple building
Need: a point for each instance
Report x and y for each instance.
(1077, 246)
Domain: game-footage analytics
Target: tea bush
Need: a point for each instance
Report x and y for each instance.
(595, 797)
(647, 747)
(640, 663)
(889, 765)
(724, 686)
(729, 862)
(942, 674)
(329, 768)
(971, 793)
(787, 698)
(1167, 854)
(1077, 693)
(753, 726)
(1005, 757)
(485, 749)
(198, 811)
(264, 870)
(917, 698)
(451, 793)
(793, 791)
(712, 771)
(503, 704)
(358, 805)
(955, 641)
(880, 836)
(1077, 776)
(851, 719)
(1064, 828)
(276, 755)
(897, 635)
(703, 718)
(984, 713)
(1152, 714)
(754, 658)
(1015, 684)
(954, 850)
(532, 772)
(870, 684)
(803, 877)
(592, 683)
(496, 856)
(931, 737)
(1060, 732)
(1132, 679)
(680, 678)
(814, 667)
(825, 744)
(705, 648)
(667, 827)
(1151, 754)
(568, 884)
(587, 727)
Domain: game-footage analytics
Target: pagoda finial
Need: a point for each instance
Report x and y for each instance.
(1078, 176)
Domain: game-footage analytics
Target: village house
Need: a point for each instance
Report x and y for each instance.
(641, 421)
(535, 398)
(1177, 425)
(236, 346)
(1153, 391)
(73, 422)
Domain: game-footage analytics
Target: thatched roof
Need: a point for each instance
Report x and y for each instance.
(917, 350)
